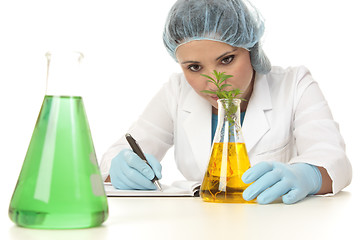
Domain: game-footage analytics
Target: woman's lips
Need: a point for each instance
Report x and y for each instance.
(214, 97)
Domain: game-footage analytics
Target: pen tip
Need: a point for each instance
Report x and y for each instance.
(158, 185)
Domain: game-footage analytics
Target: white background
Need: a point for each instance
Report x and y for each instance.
(126, 63)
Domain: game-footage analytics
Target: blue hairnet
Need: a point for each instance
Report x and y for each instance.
(235, 22)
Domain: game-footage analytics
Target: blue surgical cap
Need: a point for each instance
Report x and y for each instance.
(235, 22)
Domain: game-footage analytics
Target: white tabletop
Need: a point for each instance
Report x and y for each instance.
(191, 218)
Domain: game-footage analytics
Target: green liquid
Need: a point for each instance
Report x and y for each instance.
(60, 186)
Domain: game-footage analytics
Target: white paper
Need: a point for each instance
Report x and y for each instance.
(178, 188)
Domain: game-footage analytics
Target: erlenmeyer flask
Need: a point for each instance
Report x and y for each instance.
(60, 186)
(229, 160)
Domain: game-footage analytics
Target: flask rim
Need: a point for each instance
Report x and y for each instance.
(226, 100)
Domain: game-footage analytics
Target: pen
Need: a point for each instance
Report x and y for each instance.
(136, 148)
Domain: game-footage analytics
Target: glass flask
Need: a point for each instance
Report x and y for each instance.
(229, 160)
(60, 186)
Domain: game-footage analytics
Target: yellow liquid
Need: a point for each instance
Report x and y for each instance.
(222, 181)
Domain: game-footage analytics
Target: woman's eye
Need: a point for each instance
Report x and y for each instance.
(227, 59)
(194, 68)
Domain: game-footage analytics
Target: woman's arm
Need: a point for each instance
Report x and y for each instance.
(317, 136)
(107, 179)
(326, 186)
(154, 128)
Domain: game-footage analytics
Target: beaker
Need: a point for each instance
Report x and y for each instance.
(60, 186)
(229, 159)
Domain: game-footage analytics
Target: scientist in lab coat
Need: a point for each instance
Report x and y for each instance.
(294, 145)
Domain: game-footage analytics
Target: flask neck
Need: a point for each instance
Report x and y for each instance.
(229, 111)
(63, 73)
(229, 118)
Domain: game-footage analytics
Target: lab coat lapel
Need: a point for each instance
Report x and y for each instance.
(255, 123)
(198, 127)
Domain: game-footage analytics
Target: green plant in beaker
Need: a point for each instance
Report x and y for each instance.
(229, 160)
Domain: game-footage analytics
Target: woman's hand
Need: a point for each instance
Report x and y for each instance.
(129, 171)
(274, 179)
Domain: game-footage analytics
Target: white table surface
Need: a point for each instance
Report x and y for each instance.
(190, 218)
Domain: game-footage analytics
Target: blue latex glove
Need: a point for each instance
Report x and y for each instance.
(274, 179)
(129, 171)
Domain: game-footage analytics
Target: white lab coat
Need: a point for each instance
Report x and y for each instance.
(287, 120)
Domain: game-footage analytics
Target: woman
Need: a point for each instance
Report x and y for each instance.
(293, 143)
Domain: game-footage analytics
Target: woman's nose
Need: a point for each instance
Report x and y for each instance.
(211, 87)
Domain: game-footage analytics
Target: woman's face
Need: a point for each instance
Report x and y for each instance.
(204, 56)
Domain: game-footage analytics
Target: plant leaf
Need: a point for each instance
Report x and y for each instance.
(207, 76)
(224, 85)
(220, 78)
(210, 92)
(224, 77)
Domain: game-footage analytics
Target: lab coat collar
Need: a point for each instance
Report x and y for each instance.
(255, 124)
(198, 127)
